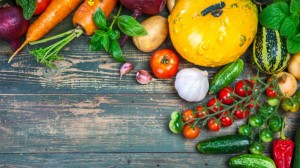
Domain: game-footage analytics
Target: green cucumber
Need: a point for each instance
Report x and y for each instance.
(297, 150)
(224, 144)
(251, 161)
(226, 76)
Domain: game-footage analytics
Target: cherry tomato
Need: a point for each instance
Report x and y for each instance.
(270, 92)
(243, 88)
(214, 104)
(41, 6)
(245, 130)
(255, 121)
(164, 63)
(256, 148)
(266, 135)
(188, 116)
(213, 125)
(241, 113)
(201, 112)
(226, 95)
(225, 119)
(191, 132)
(275, 123)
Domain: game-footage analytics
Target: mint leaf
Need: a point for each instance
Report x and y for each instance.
(129, 26)
(293, 46)
(297, 38)
(28, 7)
(295, 6)
(100, 19)
(115, 51)
(289, 26)
(273, 15)
(286, 1)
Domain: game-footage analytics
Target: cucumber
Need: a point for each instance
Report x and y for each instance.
(226, 76)
(251, 161)
(297, 150)
(224, 144)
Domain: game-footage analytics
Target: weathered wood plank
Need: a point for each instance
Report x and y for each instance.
(97, 123)
(114, 160)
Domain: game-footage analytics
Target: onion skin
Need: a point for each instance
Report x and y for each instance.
(294, 66)
(12, 25)
(149, 7)
(287, 83)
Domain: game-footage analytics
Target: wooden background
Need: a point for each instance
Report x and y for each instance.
(82, 115)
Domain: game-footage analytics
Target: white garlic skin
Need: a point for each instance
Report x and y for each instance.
(192, 84)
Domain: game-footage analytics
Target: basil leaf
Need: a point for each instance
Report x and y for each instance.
(289, 27)
(100, 19)
(293, 46)
(95, 44)
(129, 26)
(113, 34)
(115, 51)
(295, 6)
(28, 7)
(273, 15)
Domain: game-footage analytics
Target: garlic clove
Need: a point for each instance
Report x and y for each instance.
(126, 68)
(143, 77)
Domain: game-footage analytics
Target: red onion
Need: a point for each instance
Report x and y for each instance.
(12, 25)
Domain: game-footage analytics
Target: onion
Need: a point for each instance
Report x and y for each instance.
(12, 25)
(287, 83)
(294, 66)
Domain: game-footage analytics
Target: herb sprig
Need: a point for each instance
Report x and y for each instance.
(284, 18)
(107, 37)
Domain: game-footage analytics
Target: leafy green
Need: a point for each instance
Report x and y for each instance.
(116, 51)
(293, 45)
(289, 27)
(28, 7)
(295, 6)
(128, 25)
(100, 19)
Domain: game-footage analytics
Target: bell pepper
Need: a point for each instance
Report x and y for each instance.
(283, 149)
(176, 123)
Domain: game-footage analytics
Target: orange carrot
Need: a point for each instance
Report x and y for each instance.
(57, 11)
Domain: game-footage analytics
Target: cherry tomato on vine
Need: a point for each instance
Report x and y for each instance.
(191, 132)
(188, 116)
(226, 95)
(256, 148)
(213, 125)
(201, 112)
(255, 121)
(214, 104)
(275, 123)
(266, 135)
(41, 6)
(241, 113)
(243, 88)
(251, 104)
(270, 92)
(245, 130)
(164, 63)
(225, 119)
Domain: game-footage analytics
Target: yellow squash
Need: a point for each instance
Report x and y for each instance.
(212, 33)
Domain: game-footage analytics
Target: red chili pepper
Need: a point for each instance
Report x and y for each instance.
(283, 150)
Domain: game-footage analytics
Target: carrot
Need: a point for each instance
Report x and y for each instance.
(84, 24)
(57, 11)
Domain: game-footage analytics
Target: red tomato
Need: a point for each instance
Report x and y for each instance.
(191, 132)
(243, 88)
(188, 116)
(41, 6)
(201, 112)
(164, 63)
(270, 92)
(214, 104)
(251, 104)
(213, 125)
(241, 113)
(226, 95)
(225, 119)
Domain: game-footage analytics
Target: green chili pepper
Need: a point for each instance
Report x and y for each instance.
(266, 110)
(176, 123)
(289, 105)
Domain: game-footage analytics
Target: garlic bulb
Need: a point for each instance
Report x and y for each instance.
(192, 84)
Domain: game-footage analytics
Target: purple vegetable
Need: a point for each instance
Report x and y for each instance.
(12, 25)
(138, 7)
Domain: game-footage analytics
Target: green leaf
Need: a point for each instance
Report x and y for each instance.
(115, 51)
(129, 26)
(95, 43)
(28, 7)
(293, 46)
(295, 6)
(286, 1)
(297, 38)
(100, 19)
(273, 15)
(289, 27)
(113, 34)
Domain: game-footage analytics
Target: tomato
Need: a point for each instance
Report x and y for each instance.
(191, 132)
(245, 130)
(201, 112)
(256, 148)
(213, 125)
(251, 104)
(266, 135)
(270, 92)
(188, 116)
(164, 63)
(41, 6)
(255, 121)
(243, 88)
(226, 95)
(275, 123)
(214, 105)
(241, 113)
(225, 119)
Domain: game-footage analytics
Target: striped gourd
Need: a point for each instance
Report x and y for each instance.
(270, 53)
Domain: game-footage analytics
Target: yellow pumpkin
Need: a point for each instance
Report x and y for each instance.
(210, 40)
